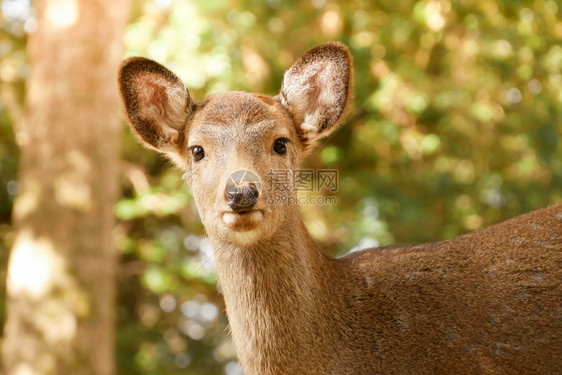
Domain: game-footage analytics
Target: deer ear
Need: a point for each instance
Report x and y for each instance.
(317, 90)
(157, 103)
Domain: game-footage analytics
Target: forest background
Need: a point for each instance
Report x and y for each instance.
(456, 125)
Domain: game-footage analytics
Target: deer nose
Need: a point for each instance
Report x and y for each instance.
(241, 197)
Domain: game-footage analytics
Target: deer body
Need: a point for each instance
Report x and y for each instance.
(471, 305)
(487, 302)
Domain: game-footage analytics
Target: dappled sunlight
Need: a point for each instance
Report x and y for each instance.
(180, 37)
(57, 321)
(62, 14)
(34, 266)
(73, 188)
(434, 14)
(40, 274)
(27, 369)
(331, 22)
(39, 278)
(28, 198)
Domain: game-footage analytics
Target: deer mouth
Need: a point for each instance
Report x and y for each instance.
(244, 212)
(242, 221)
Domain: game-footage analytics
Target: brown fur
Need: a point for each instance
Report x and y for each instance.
(484, 303)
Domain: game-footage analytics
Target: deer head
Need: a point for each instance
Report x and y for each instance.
(229, 143)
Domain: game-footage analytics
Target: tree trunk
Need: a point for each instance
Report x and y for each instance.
(61, 271)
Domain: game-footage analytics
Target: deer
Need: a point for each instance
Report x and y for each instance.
(487, 302)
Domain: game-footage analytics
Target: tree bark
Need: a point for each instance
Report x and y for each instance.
(61, 271)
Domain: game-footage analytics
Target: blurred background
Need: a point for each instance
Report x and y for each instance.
(456, 125)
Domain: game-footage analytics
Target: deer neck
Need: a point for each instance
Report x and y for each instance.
(287, 259)
(271, 290)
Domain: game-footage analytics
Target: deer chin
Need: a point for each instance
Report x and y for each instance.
(244, 221)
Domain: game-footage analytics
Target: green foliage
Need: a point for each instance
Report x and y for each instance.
(456, 125)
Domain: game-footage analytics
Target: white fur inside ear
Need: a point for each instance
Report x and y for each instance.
(300, 92)
(169, 135)
(310, 125)
(315, 93)
(162, 101)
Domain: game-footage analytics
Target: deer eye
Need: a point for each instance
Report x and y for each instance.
(197, 152)
(280, 146)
